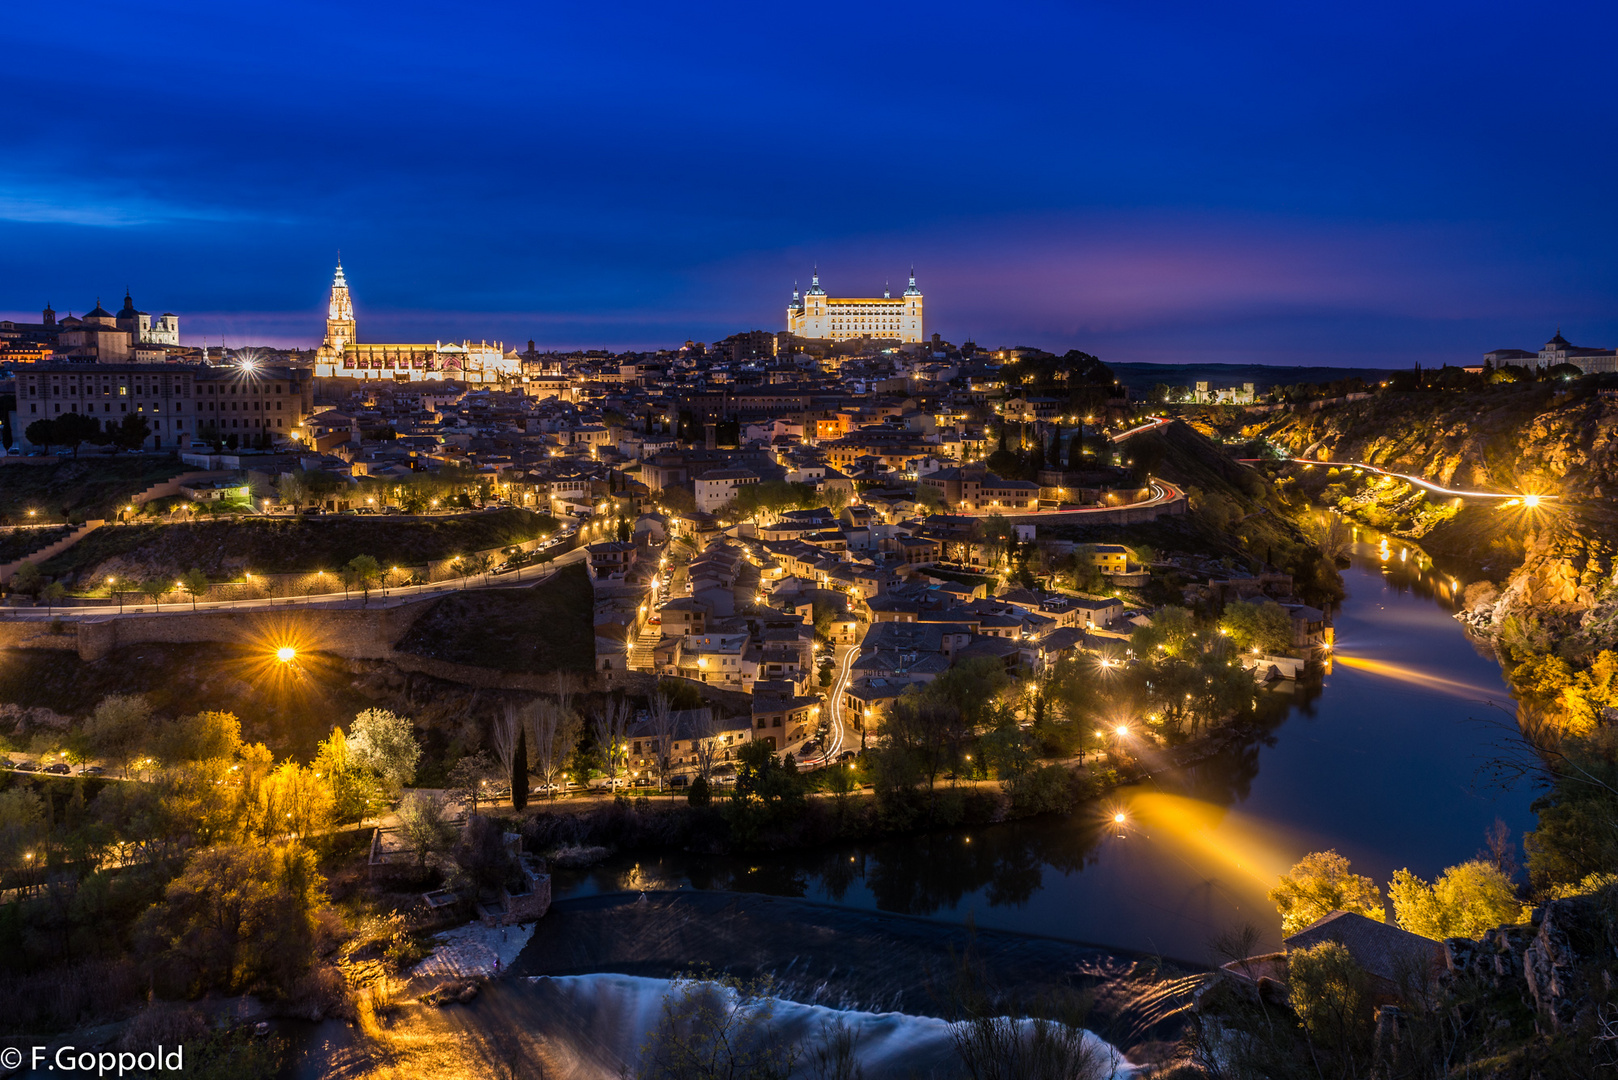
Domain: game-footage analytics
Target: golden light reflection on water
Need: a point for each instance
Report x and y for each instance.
(1221, 840)
(1417, 677)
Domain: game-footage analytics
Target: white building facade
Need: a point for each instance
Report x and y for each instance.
(838, 318)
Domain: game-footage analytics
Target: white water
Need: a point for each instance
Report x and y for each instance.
(603, 1021)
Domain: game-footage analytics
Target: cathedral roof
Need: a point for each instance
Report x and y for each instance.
(98, 312)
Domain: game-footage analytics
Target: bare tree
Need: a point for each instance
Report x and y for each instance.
(705, 741)
(554, 732)
(507, 742)
(609, 725)
(663, 728)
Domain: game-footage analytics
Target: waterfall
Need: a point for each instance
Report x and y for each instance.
(603, 1023)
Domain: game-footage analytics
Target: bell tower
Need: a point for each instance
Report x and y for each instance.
(339, 314)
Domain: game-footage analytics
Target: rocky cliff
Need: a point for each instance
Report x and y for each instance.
(1554, 561)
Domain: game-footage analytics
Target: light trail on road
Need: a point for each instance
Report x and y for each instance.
(1532, 499)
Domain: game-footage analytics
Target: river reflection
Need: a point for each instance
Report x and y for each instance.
(1384, 762)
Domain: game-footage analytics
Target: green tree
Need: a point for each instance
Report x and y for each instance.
(1265, 626)
(1319, 884)
(237, 916)
(72, 429)
(362, 572)
(424, 826)
(42, 433)
(766, 795)
(1330, 993)
(153, 589)
(28, 579)
(118, 728)
(385, 744)
(203, 736)
(53, 594)
(1465, 901)
(132, 433)
(195, 583)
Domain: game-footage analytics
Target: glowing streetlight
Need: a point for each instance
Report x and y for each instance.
(1119, 817)
(286, 654)
(1123, 731)
(1530, 501)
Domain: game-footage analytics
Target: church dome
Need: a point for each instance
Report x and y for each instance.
(98, 312)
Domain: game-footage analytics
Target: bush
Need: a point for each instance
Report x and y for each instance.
(1045, 790)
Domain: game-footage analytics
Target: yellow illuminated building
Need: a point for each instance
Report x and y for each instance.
(342, 356)
(839, 318)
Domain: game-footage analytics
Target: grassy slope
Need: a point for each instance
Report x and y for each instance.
(87, 488)
(16, 544)
(290, 712)
(290, 545)
(546, 628)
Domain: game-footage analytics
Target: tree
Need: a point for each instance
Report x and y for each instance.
(28, 579)
(1319, 884)
(356, 793)
(554, 733)
(118, 728)
(386, 745)
(470, 776)
(1265, 626)
(237, 916)
(424, 826)
(1329, 992)
(1465, 901)
(362, 572)
(52, 594)
(768, 794)
(132, 433)
(716, 1028)
(42, 433)
(195, 583)
(293, 801)
(72, 429)
(662, 726)
(202, 737)
(609, 725)
(511, 744)
(705, 732)
(153, 589)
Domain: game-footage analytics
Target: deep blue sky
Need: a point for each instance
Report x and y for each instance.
(1288, 183)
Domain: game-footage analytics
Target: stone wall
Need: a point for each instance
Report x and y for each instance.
(355, 633)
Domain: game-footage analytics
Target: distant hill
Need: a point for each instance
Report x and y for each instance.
(1140, 378)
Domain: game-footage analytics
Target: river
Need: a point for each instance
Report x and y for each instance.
(1384, 761)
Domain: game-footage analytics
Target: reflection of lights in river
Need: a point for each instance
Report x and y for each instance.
(1417, 677)
(1204, 833)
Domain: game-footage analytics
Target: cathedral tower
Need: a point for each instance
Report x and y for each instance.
(339, 314)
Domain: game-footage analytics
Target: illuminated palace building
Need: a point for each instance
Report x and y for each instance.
(341, 355)
(885, 317)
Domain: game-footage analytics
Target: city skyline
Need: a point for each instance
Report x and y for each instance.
(1241, 186)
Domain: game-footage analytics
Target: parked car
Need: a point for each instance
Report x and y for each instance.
(92, 770)
(61, 768)
(679, 781)
(27, 766)
(7, 763)
(643, 781)
(846, 755)
(310, 511)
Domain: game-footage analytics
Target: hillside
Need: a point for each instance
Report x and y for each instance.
(537, 630)
(224, 549)
(92, 487)
(1236, 512)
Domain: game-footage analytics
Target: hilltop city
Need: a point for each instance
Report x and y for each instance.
(372, 653)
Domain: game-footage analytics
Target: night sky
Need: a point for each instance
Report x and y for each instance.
(1363, 184)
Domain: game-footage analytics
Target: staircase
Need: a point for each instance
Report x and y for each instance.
(59, 545)
(641, 653)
